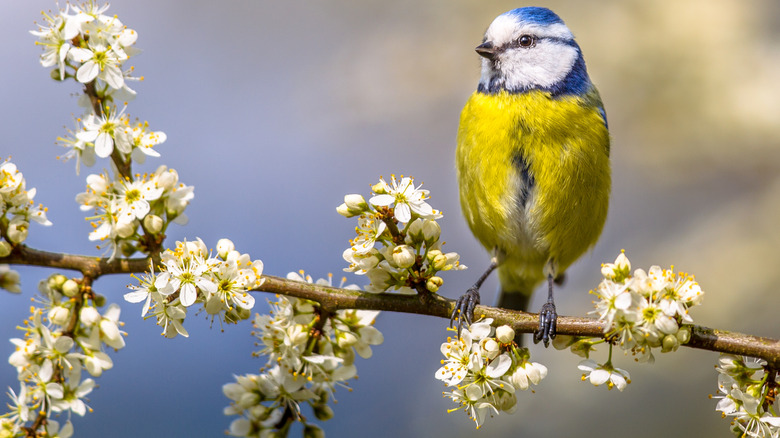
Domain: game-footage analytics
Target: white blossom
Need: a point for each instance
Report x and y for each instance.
(486, 368)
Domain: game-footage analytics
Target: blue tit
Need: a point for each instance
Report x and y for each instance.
(532, 160)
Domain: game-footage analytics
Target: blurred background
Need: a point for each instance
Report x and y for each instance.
(275, 110)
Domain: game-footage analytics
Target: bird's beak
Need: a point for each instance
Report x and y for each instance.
(487, 50)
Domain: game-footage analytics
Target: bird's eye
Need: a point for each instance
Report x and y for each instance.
(526, 41)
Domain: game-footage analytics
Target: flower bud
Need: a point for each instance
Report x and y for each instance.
(581, 347)
(415, 231)
(343, 210)
(322, 411)
(622, 263)
(379, 188)
(99, 300)
(434, 283)
(618, 271)
(491, 348)
(55, 74)
(403, 256)
(298, 334)
(505, 334)
(89, 315)
(439, 262)
(312, 431)
(224, 247)
(9, 280)
(153, 223)
(670, 343)
(356, 203)
(70, 288)
(5, 248)
(346, 339)
(684, 334)
(56, 281)
(242, 313)
(125, 229)
(431, 231)
(59, 315)
(353, 205)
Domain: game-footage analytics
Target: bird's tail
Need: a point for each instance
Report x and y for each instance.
(517, 284)
(513, 300)
(518, 295)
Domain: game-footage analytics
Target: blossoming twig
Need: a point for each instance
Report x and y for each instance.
(332, 298)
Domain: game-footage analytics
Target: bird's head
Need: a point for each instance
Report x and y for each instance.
(531, 48)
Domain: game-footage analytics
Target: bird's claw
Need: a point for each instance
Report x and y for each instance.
(464, 308)
(548, 321)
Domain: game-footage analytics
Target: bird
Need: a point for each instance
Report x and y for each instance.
(532, 160)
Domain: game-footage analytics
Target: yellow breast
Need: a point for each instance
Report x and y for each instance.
(563, 144)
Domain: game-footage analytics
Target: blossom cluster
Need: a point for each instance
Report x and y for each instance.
(647, 309)
(397, 244)
(310, 351)
(17, 208)
(55, 350)
(84, 43)
(486, 368)
(131, 211)
(98, 136)
(81, 41)
(128, 213)
(748, 394)
(643, 311)
(191, 274)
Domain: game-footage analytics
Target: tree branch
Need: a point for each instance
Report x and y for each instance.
(92, 267)
(333, 299)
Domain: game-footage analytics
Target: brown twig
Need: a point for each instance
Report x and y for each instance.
(333, 299)
(92, 267)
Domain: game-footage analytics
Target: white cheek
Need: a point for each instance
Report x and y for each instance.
(544, 65)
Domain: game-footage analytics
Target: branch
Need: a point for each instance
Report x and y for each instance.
(92, 267)
(333, 299)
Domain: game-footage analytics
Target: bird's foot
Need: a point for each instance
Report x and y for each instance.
(548, 320)
(464, 308)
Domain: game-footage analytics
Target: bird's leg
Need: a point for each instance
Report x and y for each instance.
(464, 306)
(548, 317)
